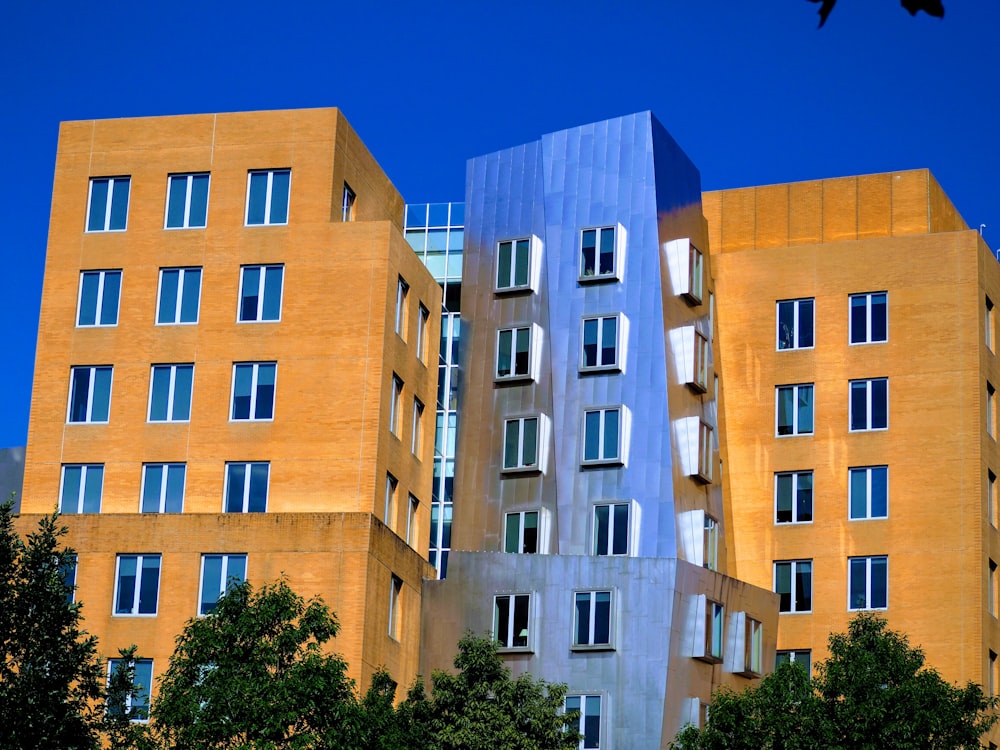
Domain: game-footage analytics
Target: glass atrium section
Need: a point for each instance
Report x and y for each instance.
(436, 232)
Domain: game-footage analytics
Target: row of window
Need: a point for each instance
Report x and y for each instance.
(868, 407)
(868, 321)
(593, 616)
(267, 198)
(750, 637)
(867, 583)
(867, 494)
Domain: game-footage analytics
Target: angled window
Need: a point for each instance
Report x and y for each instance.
(869, 404)
(417, 432)
(138, 584)
(600, 254)
(136, 703)
(795, 323)
(402, 292)
(107, 209)
(389, 511)
(990, 326)
(510, 621)
(793, 497)
(98, 300)
(395, 405)
(246, 487)
(793, 584)
(423, 320)
(603, 436)
(395, 593)
(163, 488)
(521, 532)
(179, 296)
(260, 293)
(612, 529)
(991, 410)
(992, 508)
(794, 407)
(521, 444)
(702, 366)
(67, 572)
(170, 393)
(589, 726)
(695, 292)
(515, 265)
(868, 582)
(991, 589)
(218, 574)
(516, 357)
(801, 658)
(592, 613)
(869, 492)
(253, 391)
(89, 394)
(411, 520)
(187, 201)
(82, 487)
(347, 203)
(869, 318)
(753, 647)
(710, 544)
(714, 623)
(706, 452)
(601, 343)
(267, 197)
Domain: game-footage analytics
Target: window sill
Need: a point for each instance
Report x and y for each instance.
(602, 463)
(600, 370)
(692, 299)
(701, 478)
(697, 387)
(512, 290)
(793, 434)
(520, 471)
(709, 659)
(512, 379)
(603, 278)
(515, 649)
(592, 647)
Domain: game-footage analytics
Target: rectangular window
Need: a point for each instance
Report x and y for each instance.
(592, 618)
(991, 410)
(869, 492)
(187, 201)
(510, 621)
(869, 404)
(793, 584)
(347, 204)
(402, 291)
(521, 532)
(108, 204)
(423, 319)
(395, 405)
(753, 647)
(793, 497)
(869, 318)
(600, 344)
(138, 584)
(246, 487)
(795, 324)
(991, 593)
(598, 254)
(514, 265)
(136, 706)
(710, 544)
(602, 436)
(163, 488)
(170, 393)
(417, 433)
(589, 727)
(994, 676)
(89, 394)
(868, 582)
(253, 391)
(97, 304)
(82, 486)
(67, 572)
(514, 353)
(179, 296)
(706, 452)
(520, 446)
(801, 658)
(696, 276)
(611, 529)
(260, 293)
(389, 510)
(714, 623)
(795, 409)
(411, 520)
(395, 593)
(218, 573)
(699, 374)
(991, 498)
(989, 323)
(267, 197)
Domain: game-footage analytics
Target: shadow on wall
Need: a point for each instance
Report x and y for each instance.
(11, 475)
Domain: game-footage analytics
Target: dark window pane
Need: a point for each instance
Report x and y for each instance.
(119, 204)
(98, 205)
(272, 293)
(191, 295)
(805, 323)
(109, 304)
(88, 299)
(279, 197)
(176, 201)
(199, 201)
(169, 281)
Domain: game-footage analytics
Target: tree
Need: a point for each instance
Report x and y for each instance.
(51, 679)
(873, 692)
(930, 7)
(254, 675)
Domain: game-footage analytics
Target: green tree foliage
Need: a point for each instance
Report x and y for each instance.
(120, 714)
(873, 692)
(50, 674)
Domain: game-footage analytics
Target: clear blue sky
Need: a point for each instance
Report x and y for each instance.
(751, 90)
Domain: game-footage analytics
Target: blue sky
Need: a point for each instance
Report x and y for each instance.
(754, 96)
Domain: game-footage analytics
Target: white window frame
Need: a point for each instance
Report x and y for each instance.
(267, 198)
(795, 388)
(389, 509)
(423, 321)
(90, 393)
(395, 595)
(583, 700)
(534, 334)
(85, 469)
(753, 647)
(521, 516)
(347, 201)
(795, 334)
(402, 294)
(621, 327)
(133, 609)
(541, 441)
(617, 262)
(262, 286)
(254, 386)
(102, 276)
(710, 543)
(992, 500)
(989, 333)
(630, 531)
(868, 319)
(162, 494)
(706, 452)
(171, 393)
(695, 292)
(702, 361)
(869, 472)
(106, 225)
(795, 477)
(624, 424)
(512, 606)
(412, 507)
(868, 559)
(715, 632)
(396, 405)
(992, 596)
(793, 566)
(991, 410)
(224, 584)
(511, 246)
(184, 273)
(247, 474)
(189, 178)
(869, 404)
(142, 710)
(416, 430)
(591, 626)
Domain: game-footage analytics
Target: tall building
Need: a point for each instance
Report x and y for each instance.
(588, 532)
(858, 347)
(235, 378)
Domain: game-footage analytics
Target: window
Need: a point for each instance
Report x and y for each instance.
(170, 393)
(98, 299)
(108, 204)
(187, 201)
(753, 647)
(699, 373)
(89, 394)
(602, 436)
(714, 623)
(180, 294)
(253, 391)
(991, 593)
(990, 324)
(869, 321)
(138, 584)
(801, 658)
(696, 276)
(868, 584)
(793, 497)
(991, 410)
(67, 572)
(514, 265)
(411, 520)
(611, 529)
(710, 544)
(136, 703)
(267, 197)
(592, 618)
(260, 293)
(162, 488)
(395, 405)
(246, 487)
(510, 620)
(869, 404)
(869, 492)
(417, 433)
(218, 574)
(402, 291)
(795, 409)
(395, 592)
(600, 344)
(82, 486)
(515, 358)
(520, 445)
(993, 675)
(521, 532)
(598, 254)
(793, 584)
(589, 727)
(347, 204)
(705, 452)
(423, 318)
(795, 324)
(991, 498)
(389, 511)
